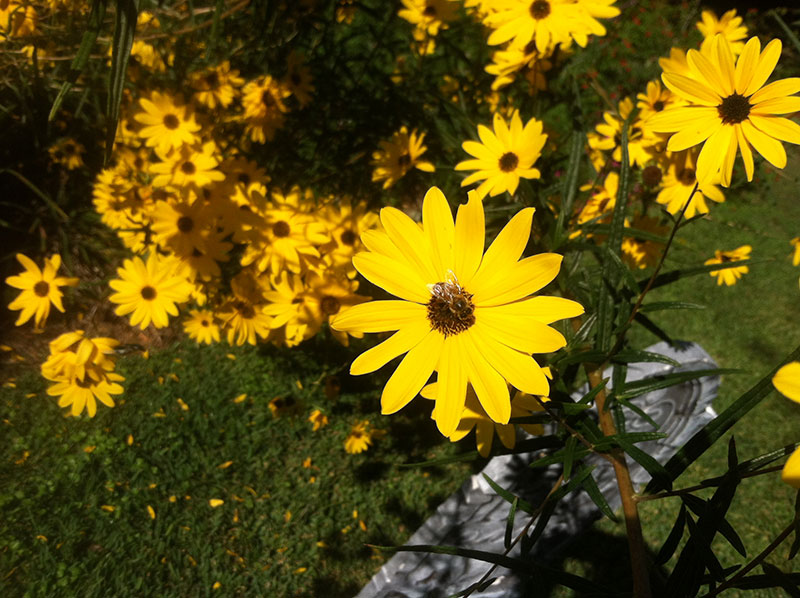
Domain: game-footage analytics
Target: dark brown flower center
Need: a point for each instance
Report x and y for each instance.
(651, 175)
(188, 167)
(508, 162)
(734, 109)
(244, 178)
(205, 323)
(529, 48)
(281, 229)
(430, 11)
(148, 293)
(658, 106)
(185, 224)
(329, 305)
(171, 121)
(450, 309)
(245, 310)
(687, 176)
(41, 288)
(267, 99)
(348, 238)
(212, 79)
(404, 160)
(295, 78)
(540, 9)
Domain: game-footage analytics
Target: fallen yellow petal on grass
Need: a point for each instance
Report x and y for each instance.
(151, 511)
(183, 404)
(215, 502)
(240, 398)
(108, 508)
(225, 465)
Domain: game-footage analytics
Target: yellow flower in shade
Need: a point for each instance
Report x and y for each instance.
(506, 63)
(638, 252)
(730, 26)
(68, 153)
(17, 19)
(796, 253)
(188, 165)
(463, 313)
(149, 291)
(299, 81)
(428, 16)
(359, 439)
(244, 321)
(84, 394)
(679, 180)
(285, 302)
(201, 326)
(729, 107)
(264, 108)
(787, 381)
(504, 155)
(655, 99)
(168, 124)
(216, 86)
(181, 227)
(40, 289)
(345, 11)
(729, 276)
(600, 204)
(399, 155)
(345, 223)
(324, 296)
(318, 420)
(607, 136)
(474, 416)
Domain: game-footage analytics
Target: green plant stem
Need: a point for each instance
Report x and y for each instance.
(690, 489)
(754, 563)
(633, 524)
(621, 338)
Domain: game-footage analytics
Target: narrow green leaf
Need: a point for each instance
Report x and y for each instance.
(796, 543)
(512, 513)
(698, 506)
(570, 455)
(649, 384)
(589, 396)
(510, 496)
(651, 326)
(758, 582)
(591, 488)
(59, 213)
(673, 539)
(479, 555)
(638, 411)
(88, 39)
(591, 356)
(781, 580)
(651, 466)
(662, 305)
(552, 501)
(673, 275)
(124, 29)
(559, 457)
(713, 430)
(786, 29)
(634, 356)
(571, 183)
(463, 458)
(629, 231)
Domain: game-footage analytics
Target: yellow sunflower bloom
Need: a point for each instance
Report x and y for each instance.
(264, 108)
(168, 124)
(149, 291)
(730, 26)
(729, 108)
(187, 166)
(678, 183)
(84, 394)
(201, 326)
(399, 155)
(729, 276)
(787, 381)
(464, 313)
(428, 16)
(244, 320)
(504, 155)
(216, 86)
(359, 439)
(40, 289)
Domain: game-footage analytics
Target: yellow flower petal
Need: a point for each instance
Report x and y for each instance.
(469, 239)
(517, 281)
(401, 341)
(395, 277)
(379, 316)
(791, 470)
(770, 148)
(519, 369)
(439, 229)
(410, 240)
(489, 385)
(530, 337)
(412, 373)
(780, 128)
(452, 387)
(766, 64)
(787, 381)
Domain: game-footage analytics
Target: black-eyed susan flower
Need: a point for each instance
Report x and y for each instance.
(84, 394)
(201, 326)
(359, 439)
(168, 123)
(729, 108)
(729, 276)
(638, 252)
(428, 16)
(463, 313)
(264, 108)
(678, 186)
(504, 155)
(729, 25)
(399, 155)
(787, 381)
(216, 86)
(68, 153)
(298, 81)
(40, 289)
(318, 420)
(244, 320)
(474, 416)
(149, 291)
(180, 226)
(607, 136)
(324, 296)
(187, 166)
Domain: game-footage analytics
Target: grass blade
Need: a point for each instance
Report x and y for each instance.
(124, 29)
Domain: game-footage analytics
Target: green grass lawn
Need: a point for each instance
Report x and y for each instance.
(284, 529)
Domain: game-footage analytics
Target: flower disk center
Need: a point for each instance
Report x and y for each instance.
(508, 162)
(148, 293)
(329, 305)
(41, 288)
(281, 229)
(450, 309)
(404, 160)
(540, 9)
(687, 176)
(171, 122)
(185, 224)
(734, 109)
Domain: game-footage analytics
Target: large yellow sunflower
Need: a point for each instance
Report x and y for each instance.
(504, 155)
(168, 123)
(149, 291)
(40, 289)
(729, 108)
(463, 313)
